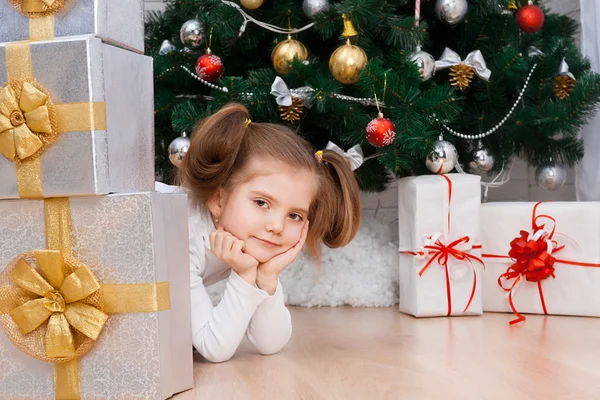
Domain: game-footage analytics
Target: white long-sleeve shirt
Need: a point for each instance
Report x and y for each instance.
(244, 308)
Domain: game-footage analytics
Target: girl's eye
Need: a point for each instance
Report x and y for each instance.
(261, 203)
(296, 217)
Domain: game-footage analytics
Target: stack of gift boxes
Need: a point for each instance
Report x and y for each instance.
(461, 257)
(94, 268)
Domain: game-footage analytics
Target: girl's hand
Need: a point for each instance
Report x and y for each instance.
(228, 249)
(268, 272)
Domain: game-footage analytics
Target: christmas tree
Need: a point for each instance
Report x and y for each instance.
(497, 78)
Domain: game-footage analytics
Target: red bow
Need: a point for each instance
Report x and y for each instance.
(441, 252)
(531, 257)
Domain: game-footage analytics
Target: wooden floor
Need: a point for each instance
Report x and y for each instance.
(378, 353)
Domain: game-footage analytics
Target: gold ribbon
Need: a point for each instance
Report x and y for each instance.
(65, 299)
(30, 122)
(41, 15)
(59, 302)
(19, 117)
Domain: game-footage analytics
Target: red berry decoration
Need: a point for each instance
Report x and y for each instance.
(381, 131)
(209, 67)
(530, 18)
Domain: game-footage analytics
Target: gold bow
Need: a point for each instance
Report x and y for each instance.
(62, 293)
(21, 119)
(66, 294)
(41, 14)
(29, 114)
(37, 6)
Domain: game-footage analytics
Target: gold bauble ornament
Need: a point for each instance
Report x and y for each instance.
(283, 54)
(346, 62)
(251, 4)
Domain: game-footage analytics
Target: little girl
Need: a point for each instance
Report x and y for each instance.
(257, 192)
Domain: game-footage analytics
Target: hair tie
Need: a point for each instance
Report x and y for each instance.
(319, 156)
(247, 123)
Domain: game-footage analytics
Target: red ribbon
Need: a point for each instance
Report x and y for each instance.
(442, 253)
(532, 260)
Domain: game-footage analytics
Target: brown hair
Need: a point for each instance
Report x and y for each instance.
(222, 146)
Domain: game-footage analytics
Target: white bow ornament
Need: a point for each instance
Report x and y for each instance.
(354, 155)
(474, 60)
(283, 95)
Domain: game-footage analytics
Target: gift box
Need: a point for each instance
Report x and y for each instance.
(440, 264)
(117, 22)
(541, 258)
(76, 118)
(128, 253)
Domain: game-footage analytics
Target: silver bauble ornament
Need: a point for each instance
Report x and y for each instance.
(192, 34)
(313, 7)
(442, 158)
(178, 148)
(166, 47)
(451, 12)
(425, 62)
(550, 176)
(482, 161)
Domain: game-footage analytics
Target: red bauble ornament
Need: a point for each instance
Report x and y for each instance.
(381, 131)
(530, 18)
(209, 67)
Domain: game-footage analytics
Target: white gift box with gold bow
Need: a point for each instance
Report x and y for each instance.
(95, 292)
(120, 22)
(76, 118)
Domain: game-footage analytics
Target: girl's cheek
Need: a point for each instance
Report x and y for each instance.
(297, 232)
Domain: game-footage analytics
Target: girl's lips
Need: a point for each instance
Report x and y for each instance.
(267, 243)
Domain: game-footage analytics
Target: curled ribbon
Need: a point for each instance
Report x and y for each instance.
(354, 155)
(436, 250)
(532, 259)
(474, 60)
(531, 253)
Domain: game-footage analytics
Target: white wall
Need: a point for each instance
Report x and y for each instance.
(154, 5)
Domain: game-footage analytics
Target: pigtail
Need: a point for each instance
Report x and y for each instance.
(211, 157)
(345, 206)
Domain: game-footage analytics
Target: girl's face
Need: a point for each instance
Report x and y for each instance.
(268, 210)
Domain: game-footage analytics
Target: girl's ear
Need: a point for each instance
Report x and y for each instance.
(215, 204)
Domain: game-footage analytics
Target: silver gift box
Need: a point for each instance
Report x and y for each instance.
(119, 159)
(120, 22)
(123, 239)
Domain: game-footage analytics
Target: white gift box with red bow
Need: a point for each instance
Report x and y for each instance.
(440, 253)
(541, 258)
